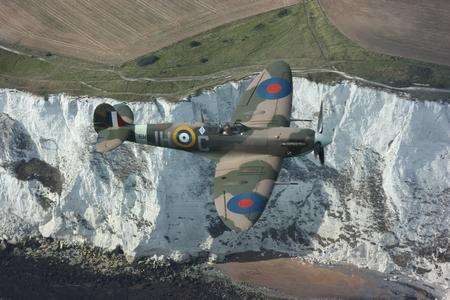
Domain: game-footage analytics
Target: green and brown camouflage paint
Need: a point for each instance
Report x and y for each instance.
(248, 155)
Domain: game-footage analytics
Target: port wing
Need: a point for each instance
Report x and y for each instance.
(242, 186)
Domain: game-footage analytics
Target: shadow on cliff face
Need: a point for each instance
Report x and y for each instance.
(295, 211)
(305, 203)
(19, 155)
(36, 169)
(289, 223)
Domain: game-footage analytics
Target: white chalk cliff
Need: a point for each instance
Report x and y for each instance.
(382, 201)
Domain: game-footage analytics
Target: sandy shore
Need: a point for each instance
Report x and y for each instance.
(291, 277)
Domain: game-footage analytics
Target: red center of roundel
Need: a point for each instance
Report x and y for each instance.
(245, 203)
(274, 88)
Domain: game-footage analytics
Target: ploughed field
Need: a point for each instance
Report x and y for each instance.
(114, 31)
(409, 28)
(300, 34)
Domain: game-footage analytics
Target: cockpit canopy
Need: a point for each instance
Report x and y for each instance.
(233, 129)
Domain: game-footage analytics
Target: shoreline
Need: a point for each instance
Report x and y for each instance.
(44, 267)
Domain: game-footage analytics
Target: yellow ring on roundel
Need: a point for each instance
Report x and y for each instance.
(175, 135)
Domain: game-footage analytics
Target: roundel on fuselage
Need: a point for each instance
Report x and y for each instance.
(184, 136)
(274, 88)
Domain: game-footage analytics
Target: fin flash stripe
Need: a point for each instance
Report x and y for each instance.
(140, 133)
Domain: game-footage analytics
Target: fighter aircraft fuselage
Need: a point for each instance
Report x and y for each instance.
(211, 138)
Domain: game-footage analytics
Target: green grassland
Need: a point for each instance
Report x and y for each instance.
(300, 35)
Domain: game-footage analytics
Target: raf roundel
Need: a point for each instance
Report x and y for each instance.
(247, 203)
(274, 88)
(184, 137)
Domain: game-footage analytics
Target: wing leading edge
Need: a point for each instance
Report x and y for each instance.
(267, 101)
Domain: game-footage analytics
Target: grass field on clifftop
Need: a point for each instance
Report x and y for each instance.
(301, 35)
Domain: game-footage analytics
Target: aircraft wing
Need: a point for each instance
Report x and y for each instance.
(243, 184)
(267, 101)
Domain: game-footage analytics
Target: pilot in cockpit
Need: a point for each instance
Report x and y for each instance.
(226, 129)
(236, 128)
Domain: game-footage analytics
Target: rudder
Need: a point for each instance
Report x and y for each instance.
(106, 116)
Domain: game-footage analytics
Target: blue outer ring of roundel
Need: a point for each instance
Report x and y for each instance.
(286, 88)
(259, 203)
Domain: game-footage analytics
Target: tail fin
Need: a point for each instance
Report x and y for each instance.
(112, 123)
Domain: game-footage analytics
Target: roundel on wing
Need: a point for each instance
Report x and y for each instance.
(184, 136)
(247, 203)
(274, 88)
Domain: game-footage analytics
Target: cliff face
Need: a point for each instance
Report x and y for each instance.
(382, 201)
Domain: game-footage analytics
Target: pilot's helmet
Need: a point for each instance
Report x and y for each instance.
(227, 129)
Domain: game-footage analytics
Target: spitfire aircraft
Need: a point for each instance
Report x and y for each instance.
(248, 150)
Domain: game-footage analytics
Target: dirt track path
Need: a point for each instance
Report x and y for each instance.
(373, 83)
(229, 75)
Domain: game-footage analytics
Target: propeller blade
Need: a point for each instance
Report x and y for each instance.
(320, 121)
(318, 146)
(322, 156)
(319, 152)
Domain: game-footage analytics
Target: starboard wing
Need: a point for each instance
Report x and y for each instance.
(267, 101)
(242, 187)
